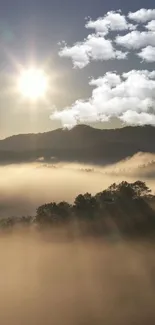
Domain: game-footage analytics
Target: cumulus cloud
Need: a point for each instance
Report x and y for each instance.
(130, 97)
(94, 47)
(78, 53)
(142, 15)
(98, 46)
(113, 21)
(151, 25)
(147, 54)
(135, 118)
(136, 39)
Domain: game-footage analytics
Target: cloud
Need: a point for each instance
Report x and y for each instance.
(78, 53)
(134, 118)
(121, 55)
(115, 95)
(147, 54)
(142, 15)
(130, 96)
(113, 21)
(95, 47)
(151, 25)
(136, 39)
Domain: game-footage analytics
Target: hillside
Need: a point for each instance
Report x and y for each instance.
(82, 143)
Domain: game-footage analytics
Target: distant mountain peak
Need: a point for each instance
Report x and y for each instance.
(80, 128)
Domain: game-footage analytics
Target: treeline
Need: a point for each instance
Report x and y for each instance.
(120, 209)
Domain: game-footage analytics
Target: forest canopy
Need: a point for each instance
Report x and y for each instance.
(122, 208)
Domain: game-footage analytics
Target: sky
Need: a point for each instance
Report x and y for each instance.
(32, 32)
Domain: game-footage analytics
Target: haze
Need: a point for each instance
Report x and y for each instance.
(77, 282)
(24, 187)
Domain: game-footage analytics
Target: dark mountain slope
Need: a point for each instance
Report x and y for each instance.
(82, 143)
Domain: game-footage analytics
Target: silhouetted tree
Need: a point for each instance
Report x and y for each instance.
(130, 190)
(141, 189)
(121, 208)
(85, 205)
(52, 212)
(64, 210)
(106, 196)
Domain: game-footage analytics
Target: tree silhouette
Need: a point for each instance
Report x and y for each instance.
(53, 213)
(122, 208)
(141, 189)
(131, 190)
(85, 205)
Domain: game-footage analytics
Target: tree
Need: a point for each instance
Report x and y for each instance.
(52, 212)
(46, 213)
(130, 190)
(64, 210)
(85, 205)
(107, 196)
(141, 189)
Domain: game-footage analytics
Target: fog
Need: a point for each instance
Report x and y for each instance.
(58, 277)
(79, 282)
(23, 187)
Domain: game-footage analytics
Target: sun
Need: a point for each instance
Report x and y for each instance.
(32, 83)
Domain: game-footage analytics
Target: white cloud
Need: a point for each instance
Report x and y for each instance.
(130, 96)
(133, 118)
(81, 112)
(113, 21)
(136, 39)
(94, 47)
(151, 25)
(121, 55)
(147, 54)
(113, 96)
(146, 73)
(97, 47)
(110, 78)
(100, 48)
(78, 53)
(142, 15)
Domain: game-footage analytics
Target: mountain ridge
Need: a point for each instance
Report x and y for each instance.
(82, 143)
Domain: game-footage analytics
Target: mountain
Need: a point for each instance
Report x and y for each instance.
(82, 143)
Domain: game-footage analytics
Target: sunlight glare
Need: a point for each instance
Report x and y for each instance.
(32, 83)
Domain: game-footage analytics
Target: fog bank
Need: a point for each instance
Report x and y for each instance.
(79, 282)
(23, 187)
